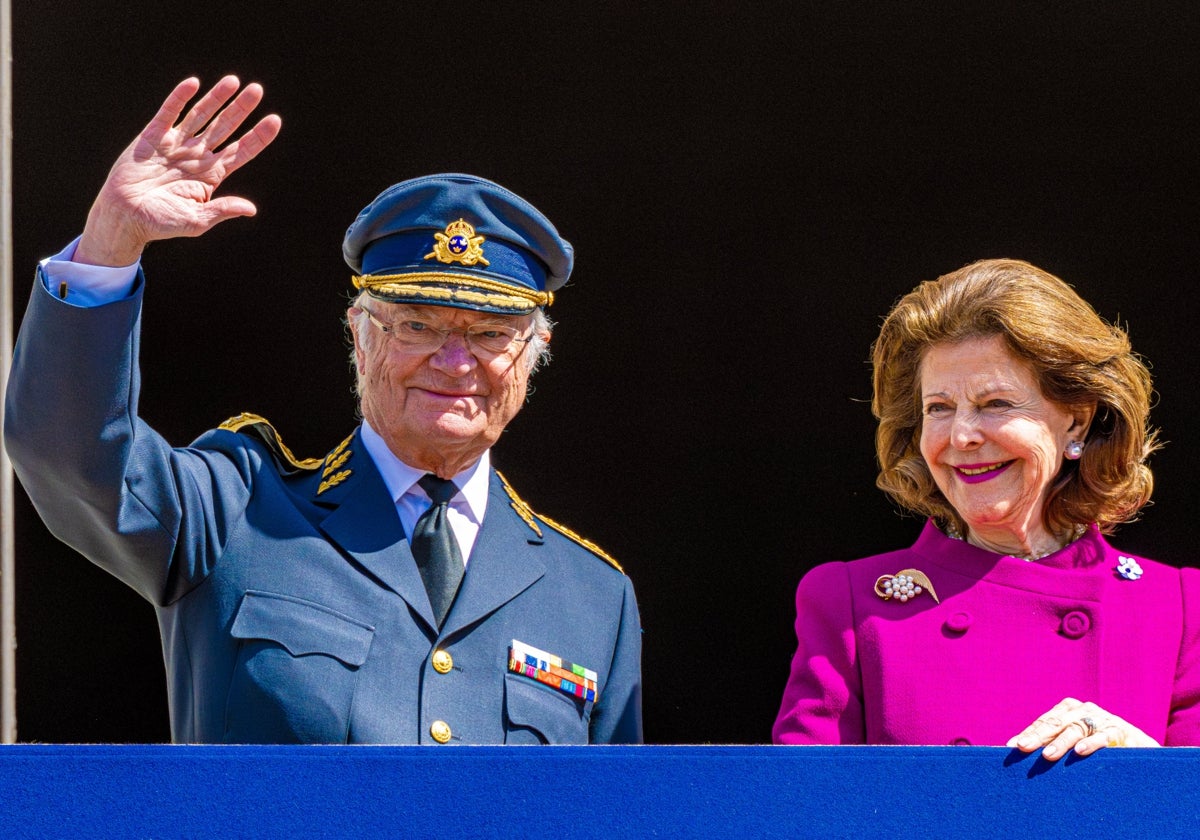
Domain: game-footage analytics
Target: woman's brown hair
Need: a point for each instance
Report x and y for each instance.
(1078, 359)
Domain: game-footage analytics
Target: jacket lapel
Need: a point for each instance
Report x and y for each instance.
(502, 564)
(365, 524)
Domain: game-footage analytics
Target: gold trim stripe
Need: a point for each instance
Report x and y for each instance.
(586, 543)
(246, 418)
(415, 284)
(518, 504)
(527, 513)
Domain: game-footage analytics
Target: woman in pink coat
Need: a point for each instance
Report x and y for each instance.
(1015, 419)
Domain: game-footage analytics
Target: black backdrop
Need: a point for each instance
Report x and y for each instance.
(748, 187)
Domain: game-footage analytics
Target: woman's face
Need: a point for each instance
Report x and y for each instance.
(992, 441)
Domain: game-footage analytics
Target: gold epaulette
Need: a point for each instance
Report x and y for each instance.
(531, 519)
(248, 423)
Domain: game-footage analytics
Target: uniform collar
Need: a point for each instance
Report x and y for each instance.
(401, 478)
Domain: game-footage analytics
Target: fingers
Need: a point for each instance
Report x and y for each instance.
(1115, 733)
(228, 207)
(246, 148)
(215, 118)
(1072, 734)
(1109, 734)
(1043, 730)
(232, 115)
(1084, 727)
(162, 185)
(171, 108)
(209, 104)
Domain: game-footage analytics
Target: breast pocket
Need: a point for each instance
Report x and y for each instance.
(536, 714)
(296, 671)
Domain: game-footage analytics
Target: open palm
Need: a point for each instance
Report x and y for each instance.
(162, 184)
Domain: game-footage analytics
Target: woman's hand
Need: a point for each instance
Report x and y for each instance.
(162, 184)
(1083, 726)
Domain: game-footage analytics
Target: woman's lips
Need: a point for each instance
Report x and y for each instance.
(978, 473)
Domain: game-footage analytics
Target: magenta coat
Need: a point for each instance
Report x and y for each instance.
(1008, 640)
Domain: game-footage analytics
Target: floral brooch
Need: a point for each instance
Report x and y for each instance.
(1128, 568)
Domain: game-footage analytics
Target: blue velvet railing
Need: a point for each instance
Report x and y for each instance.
(51, 791)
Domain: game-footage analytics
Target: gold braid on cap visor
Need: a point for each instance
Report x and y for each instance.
(470, 290)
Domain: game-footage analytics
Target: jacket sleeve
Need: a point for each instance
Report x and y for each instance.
(617, 718)
(822, 701)
(101, 479)
(1183, 725)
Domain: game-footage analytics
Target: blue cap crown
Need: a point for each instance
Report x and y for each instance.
(457, 240)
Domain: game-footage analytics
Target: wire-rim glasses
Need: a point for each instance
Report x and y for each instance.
(482, 339)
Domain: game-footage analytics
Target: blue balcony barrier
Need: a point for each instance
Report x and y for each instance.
(53, 791)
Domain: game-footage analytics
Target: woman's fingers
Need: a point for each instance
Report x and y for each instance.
(1084, 727)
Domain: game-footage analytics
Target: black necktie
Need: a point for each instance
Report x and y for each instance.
(435, 547)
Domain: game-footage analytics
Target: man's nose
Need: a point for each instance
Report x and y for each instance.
(454, 356)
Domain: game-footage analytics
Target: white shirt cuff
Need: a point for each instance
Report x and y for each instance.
(87, 285)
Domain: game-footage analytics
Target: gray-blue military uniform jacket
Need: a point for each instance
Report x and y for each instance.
(288, 601)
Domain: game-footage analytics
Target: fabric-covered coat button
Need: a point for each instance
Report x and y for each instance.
(1075, 624)
(961, 742)
(440, 730)
(959, 622)
(442, 661)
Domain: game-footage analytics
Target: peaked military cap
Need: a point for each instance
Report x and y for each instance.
(457, 240)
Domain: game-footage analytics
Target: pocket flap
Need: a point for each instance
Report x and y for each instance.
(302, 627)
(557, 717)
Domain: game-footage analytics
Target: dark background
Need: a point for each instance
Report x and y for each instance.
(748, 188)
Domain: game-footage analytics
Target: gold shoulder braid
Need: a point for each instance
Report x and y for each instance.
(248, 423)
(531, 519)
(518, 504)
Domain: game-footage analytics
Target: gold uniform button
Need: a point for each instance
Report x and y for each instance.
(442, 661)
(440, 730)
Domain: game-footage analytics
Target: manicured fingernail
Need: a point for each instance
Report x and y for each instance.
(1050, 751)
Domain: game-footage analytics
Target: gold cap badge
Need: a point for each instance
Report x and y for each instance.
(458, 244)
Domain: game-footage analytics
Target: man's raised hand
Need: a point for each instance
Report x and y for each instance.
(162, 185)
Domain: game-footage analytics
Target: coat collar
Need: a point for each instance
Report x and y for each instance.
(363, 521)
(1080, 571)
(504, 563)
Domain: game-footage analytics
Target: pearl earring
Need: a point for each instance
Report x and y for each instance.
(1074, 450)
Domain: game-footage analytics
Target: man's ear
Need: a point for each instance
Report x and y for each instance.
(352, 320)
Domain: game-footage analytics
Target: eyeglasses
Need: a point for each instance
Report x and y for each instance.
(483, 340)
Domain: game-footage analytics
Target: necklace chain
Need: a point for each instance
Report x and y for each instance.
(1075, 533)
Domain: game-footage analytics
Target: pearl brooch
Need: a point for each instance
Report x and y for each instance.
(901, 586)
(905, 585)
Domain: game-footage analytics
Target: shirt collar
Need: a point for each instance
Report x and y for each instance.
(400, 478)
